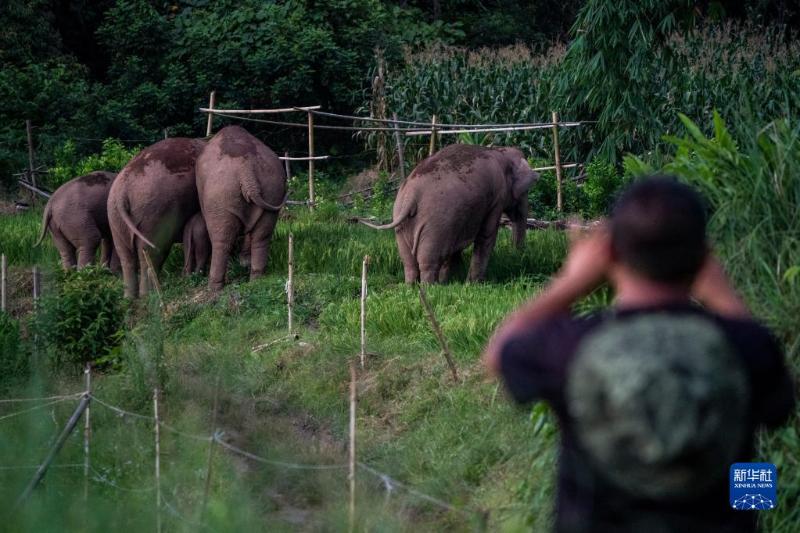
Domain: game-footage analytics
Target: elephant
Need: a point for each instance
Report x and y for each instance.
(77, 219)
(196, 245)
(242, 188)
(454, 198)
(148, 206)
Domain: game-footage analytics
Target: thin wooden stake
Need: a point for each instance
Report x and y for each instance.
(286, 164)
(559, 194)
(401, 164)
(166, 135)
(290, 285)
(151, 271)
(40, 472)
(311, 161)
(87, 432)
(432, 147)
(158, 460)
(3, 281)
(211, 101)
(364, 309)
(438, 331)
(35, 283)
(352, 448)
(31, 171)
(211, 445)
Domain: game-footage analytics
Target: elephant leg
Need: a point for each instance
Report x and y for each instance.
(88, 250)
(410, 267)
(260, 239)
(223, 232)
(447, 268)
(65, 250)
(127, 260)
(484, 244)
(106, 250)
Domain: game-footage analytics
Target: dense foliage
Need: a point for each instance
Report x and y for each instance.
(13, 360)
(81, 319)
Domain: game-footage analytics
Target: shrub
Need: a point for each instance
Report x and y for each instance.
(12, 358)
(68, 164)
(601, 187)
(82, 319)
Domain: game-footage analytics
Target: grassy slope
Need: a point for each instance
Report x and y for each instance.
(462, 443)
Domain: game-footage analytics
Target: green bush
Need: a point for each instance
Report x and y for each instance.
(603, 183)
(82, 319)
(12, 358)
(69, 164)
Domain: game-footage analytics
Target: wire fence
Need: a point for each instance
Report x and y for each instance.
(390, 484)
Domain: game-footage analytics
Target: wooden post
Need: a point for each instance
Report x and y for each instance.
(32, 173)
(211, 445)
(166, 136)
(559, 194)
(286, 165)
(158, 460)
(153, 277)
(311, 160)
(432, 147)
(352, 448)
(290, 284)
(438, 331)
(211, 101)
(87, 431)
(401, 164)
(364, 309)
(40, 472)
(35, 283)
(3, 281)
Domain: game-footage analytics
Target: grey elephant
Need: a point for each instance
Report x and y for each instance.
(242, 188)
(456, 198)
(196, 245)
(78, 221)
(148, 206)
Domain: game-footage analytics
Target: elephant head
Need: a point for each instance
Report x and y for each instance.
(520, 177)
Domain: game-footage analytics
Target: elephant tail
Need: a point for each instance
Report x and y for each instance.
(126, 217)
(252, 193)
(408, 211)
(48, 215)
(188, 253)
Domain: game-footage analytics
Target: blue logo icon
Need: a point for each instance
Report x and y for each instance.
(753, 486)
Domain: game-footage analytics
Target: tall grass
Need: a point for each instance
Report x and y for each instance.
(18, 234)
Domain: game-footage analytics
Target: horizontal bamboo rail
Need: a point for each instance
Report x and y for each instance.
(315, 158)
(417, 133)
(216, 111)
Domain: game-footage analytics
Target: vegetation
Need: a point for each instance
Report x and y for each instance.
(80, 318)
(656, 76)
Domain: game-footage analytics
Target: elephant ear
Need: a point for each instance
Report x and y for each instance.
(522, 177)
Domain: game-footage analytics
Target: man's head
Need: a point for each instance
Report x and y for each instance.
(658, 231)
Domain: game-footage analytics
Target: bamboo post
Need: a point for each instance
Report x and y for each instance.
(3, 281)
(211, 101)
(62, 438)
(87, 431)
(153, 276)
(286, 165)
(156, 427)
(35, 283)
(401, 164)
(32, 174)
(438, 331)
(290, 285)
(352, 448)
(559, 194)
(432, 147)
(166, 135)
(311, 160)
(364, 309)
(211, 445)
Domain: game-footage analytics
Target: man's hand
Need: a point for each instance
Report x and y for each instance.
(713, 289)
(583, 271)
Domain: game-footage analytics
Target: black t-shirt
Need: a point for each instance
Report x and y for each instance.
(535, 366)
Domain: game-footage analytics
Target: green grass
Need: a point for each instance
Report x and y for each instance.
(18, 233)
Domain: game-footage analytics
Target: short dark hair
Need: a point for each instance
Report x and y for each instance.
(658, 228)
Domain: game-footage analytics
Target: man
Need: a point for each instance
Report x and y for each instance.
(657, 397)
